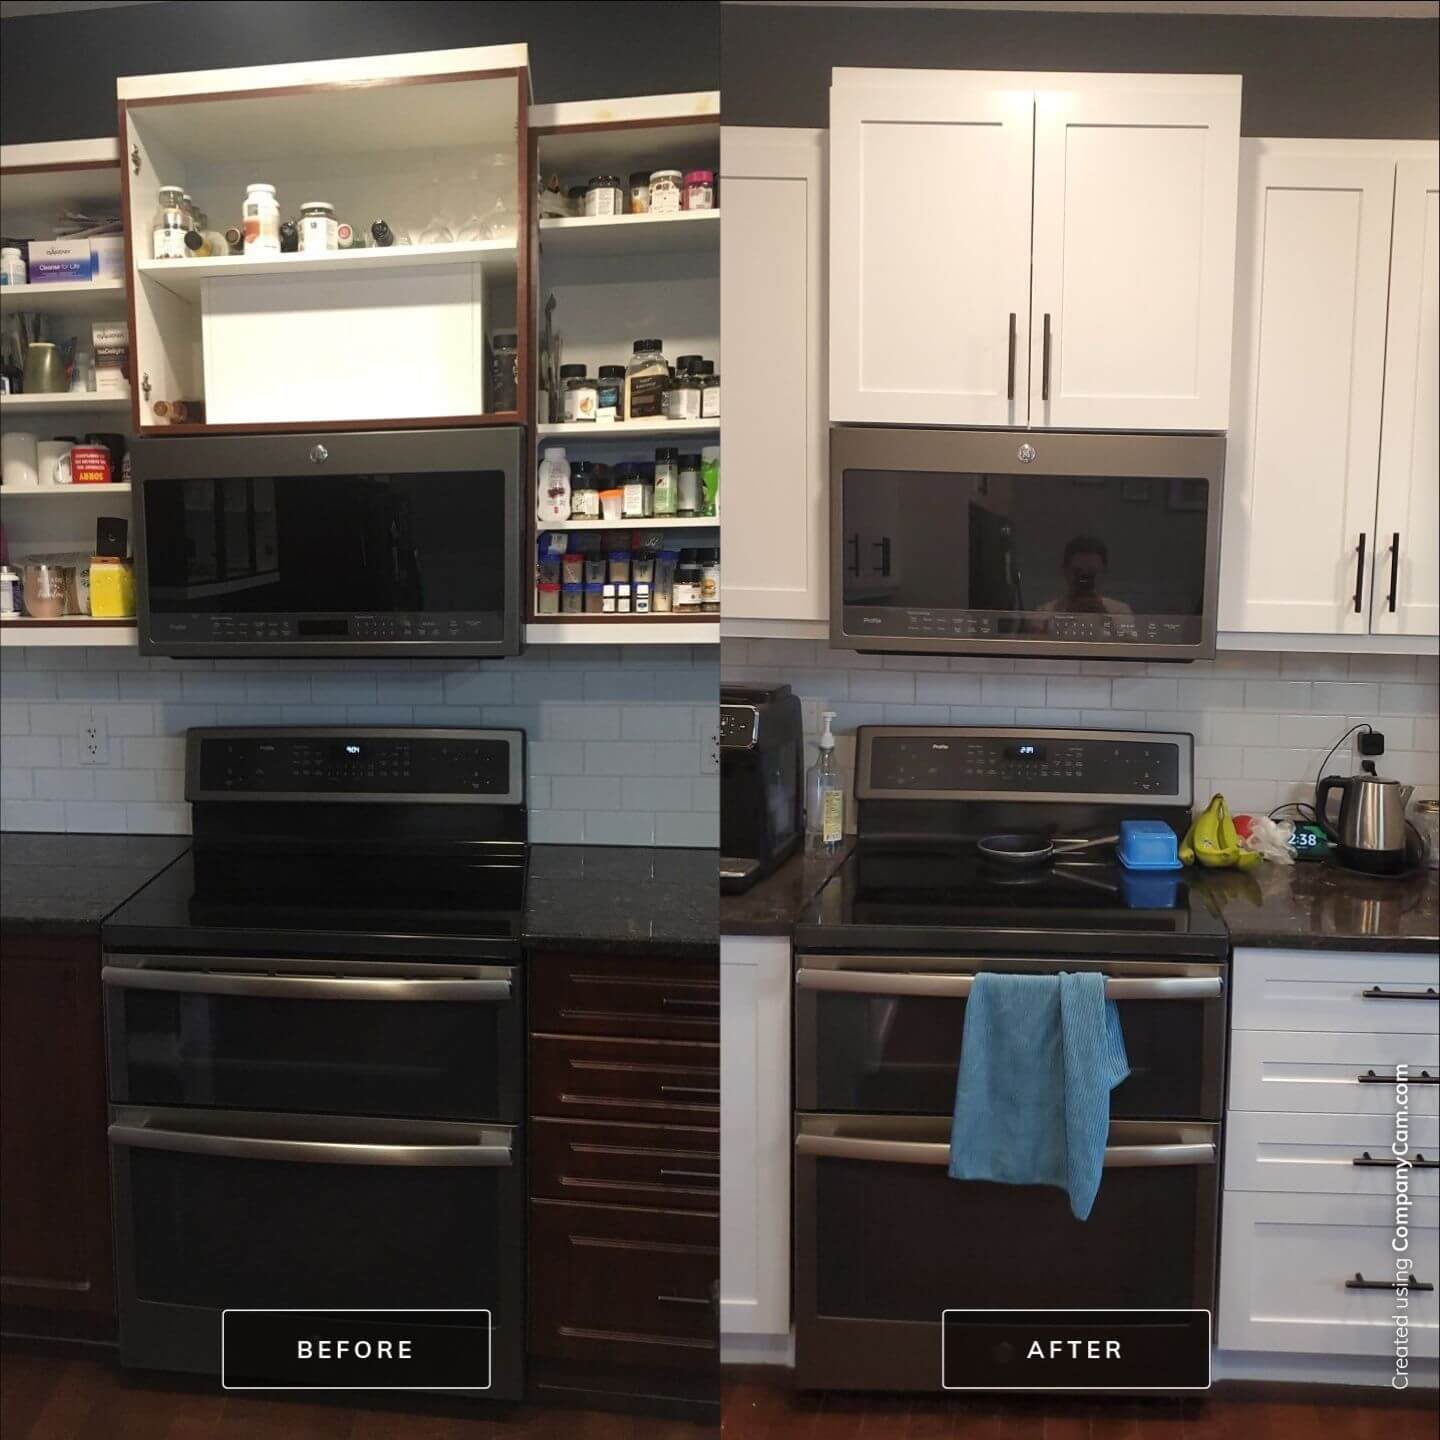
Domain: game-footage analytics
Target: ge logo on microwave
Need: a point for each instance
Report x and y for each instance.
(1025, 454)
(319, 454)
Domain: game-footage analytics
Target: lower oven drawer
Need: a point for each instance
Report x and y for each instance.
(668, 1082)
(872, 1034)
(323, 1037)
(224, 1209)
(885, 1241)
(677, 1167)
(616, 1286)
(1313, 1275)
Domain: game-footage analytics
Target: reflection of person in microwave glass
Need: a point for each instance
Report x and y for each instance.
(1083, 565)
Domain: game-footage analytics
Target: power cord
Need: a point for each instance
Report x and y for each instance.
(1307, 811)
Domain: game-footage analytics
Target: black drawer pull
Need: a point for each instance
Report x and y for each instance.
(689, 1089)
(673, 1002)
(1361, 1283)
(1423, 1078)
(1419, 1162)
(1376, 993)
(708, 1175)
(683, 1299)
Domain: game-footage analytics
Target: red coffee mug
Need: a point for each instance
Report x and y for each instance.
(89, 465)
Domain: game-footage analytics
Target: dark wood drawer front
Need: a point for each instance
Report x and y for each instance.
(613, 995)
(657, 1165)
(665, 1082)
(624, 1286)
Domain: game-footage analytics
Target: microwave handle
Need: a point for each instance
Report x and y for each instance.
(304, 987)
(865, 982)
(927, 1152)
(317, 1152)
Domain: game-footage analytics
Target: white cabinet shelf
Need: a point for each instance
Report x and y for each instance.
(687, 230)
(80, 630)
(62, 492)
(622, 430)
(651, 522)
(96, 297)
(72, 401)
(609, 630)
(185, 277)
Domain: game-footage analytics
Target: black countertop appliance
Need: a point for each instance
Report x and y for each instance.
(762, 781)
(316, 1047)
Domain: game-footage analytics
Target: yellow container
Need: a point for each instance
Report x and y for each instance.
(112, 588)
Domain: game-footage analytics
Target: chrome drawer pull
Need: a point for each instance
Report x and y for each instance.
(690, 1175)
(925, 1152)
(322, 1152)
(1361, 1283)
(689, 1089)
(1418, 1163)
(671, 1002)
(1376, 993)
(1423, 1078)
(304, 987)
(867, 982)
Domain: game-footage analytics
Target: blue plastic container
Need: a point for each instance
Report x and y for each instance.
(1148, 845)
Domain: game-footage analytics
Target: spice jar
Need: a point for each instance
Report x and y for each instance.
(260, 220)
(572, 569)
(572, 598)
(584, 493)
(665, 192)
(687, 487)
(318, 230)
(639, 192)
(710, 580)
(710, 480)
(603, 196)
(709, 391)
(504, 371)
(667, 476)
(575, 200)
(580, 394)
(647, 379)
(594, 597)
(547, 600)
(619, 565)
(699, 190)
(661, 594)
(610, 392)
(167, 230)
(685, 594)
(642, 569)
(638, 491)
(682, 400)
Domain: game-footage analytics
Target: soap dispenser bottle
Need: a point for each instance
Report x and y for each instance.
(824, 796)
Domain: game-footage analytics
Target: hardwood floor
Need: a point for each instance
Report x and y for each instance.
(758, 1404)
(76, 1393)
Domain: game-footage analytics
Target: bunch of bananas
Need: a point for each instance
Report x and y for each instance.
(1214, 842)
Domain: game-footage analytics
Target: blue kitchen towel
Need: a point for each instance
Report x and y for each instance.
(1039, 1058)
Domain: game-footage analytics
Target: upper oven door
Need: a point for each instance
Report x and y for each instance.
(380, 1038)
(882, 1034)
(1009, 543)
(406, 542)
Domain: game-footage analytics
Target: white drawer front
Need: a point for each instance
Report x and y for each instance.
(1317, 1153)
(1303, 1070)
(1326, 990)
(1284, 1261)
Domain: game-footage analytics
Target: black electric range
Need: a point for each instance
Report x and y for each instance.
(884, 960)
(316, 1049)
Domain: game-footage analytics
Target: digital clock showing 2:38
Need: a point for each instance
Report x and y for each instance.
(1309, 842)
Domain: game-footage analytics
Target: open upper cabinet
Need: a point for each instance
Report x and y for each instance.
(374, 335)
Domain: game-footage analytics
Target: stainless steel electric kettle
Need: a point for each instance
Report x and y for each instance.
(1371, 834)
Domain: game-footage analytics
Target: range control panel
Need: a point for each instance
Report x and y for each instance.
(362, 763)
(960, 763)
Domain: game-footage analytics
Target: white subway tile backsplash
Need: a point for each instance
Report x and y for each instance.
(1012, 690)
(14, 719)
(1277, 694)
(1080, 691)
(1409, 699)
(1151, 693)
(64, 784)
(947, 689)
(98, 817)
(1339, 697)
(694, 828)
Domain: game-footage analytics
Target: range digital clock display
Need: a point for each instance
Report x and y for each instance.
(1026, 750)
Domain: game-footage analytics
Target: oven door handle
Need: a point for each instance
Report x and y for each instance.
(879, 982)
(925, 1152)
(316, 1152)
(305, 987)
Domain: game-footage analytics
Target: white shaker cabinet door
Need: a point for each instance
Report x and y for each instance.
(1407, 527)
(929, 252)
(772, 313)
(1134, 254)
(1309, 374)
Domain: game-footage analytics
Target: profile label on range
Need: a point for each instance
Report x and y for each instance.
(1075, 1349)
(355, 1349)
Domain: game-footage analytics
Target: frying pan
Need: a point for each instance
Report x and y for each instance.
(1026, 849)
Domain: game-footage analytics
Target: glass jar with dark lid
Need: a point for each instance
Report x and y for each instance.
(604, 195)
(504, 370)
(709, 391)
(647, 380)
(580, 393)
(611, 387)
(584, 491)
(683, 400)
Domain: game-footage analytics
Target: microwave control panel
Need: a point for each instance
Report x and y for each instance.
(243, 629)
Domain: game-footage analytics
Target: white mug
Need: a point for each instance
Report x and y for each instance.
(19, 460)
(54, 462)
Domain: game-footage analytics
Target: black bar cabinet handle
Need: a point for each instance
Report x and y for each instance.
(1423, 1078)
(1045, 367)
(1375, 992)
(708, 1175)
(1394, 568)
(675, 1002)
(1010, 385)
(1361, 1283)
(1365, 1158)
(1360, 572)
(683, 1299)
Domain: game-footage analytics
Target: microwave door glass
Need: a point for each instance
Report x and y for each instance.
(1083, 557)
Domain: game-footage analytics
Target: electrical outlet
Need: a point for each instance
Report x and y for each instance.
(94, 742)
(711, 759)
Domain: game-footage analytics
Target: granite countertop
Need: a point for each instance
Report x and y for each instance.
(67, 884)
(773, 906)
(623, 898)
(1319, 906)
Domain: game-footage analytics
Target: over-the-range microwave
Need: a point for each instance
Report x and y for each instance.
(1041, 543)
(396, 542)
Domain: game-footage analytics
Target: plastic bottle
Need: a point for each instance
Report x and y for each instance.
(824, 796)
(554, 484)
